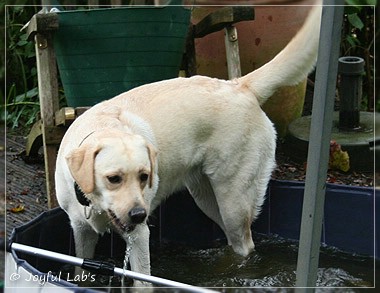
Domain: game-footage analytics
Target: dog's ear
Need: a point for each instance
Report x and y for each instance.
(81, 165)
(152, 158)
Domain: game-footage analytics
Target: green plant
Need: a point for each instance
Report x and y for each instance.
(21, 103)
(358, 40)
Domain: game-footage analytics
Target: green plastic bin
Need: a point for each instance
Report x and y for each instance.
(104, 52)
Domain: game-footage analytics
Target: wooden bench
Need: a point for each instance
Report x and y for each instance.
(49, 131)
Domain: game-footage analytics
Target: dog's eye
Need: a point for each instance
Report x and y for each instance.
(144, 177)
(114, 179)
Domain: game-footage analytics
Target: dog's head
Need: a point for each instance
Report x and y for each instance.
(117, 172)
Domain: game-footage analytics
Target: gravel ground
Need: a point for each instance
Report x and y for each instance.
(289, 170)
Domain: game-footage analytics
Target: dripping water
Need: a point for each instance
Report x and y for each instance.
(129, 240)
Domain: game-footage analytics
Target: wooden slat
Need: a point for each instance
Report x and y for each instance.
(232, 52)
(49, 104)
(80, 110)
(93, 3)
(189, 63)
(54, 135)
(65, 116)
(221, 18)
(116, 3)
(42, 23)
(34, 140)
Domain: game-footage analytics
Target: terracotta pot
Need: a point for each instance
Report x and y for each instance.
(259, 41)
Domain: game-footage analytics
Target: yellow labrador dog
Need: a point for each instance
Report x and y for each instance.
(121, 158)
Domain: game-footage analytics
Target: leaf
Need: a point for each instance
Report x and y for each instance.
(352, 41)
(352, 2)
(28, 95)
(352, 9)
(360, 3)
(339, 159)
(372, 2)
(29, 50)
(18, 209)
(24, 37)
(25, 191)
(355, 21)
(21, 43)
(331, 179)
(33, 116)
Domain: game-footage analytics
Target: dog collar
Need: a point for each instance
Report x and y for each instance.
(81, 197)
(86, 137)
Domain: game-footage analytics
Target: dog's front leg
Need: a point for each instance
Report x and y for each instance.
(140, 256)
(85, 241)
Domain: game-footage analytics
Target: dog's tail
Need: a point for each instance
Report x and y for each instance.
(292, 64)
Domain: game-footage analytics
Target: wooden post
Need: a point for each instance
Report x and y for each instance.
(224, 18)
(42, 26)
(189, 63)
(116, 3)
(93, 3)
(232, 52)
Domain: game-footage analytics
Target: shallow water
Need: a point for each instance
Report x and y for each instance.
(272, 265)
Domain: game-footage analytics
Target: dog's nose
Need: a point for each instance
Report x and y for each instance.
(137, 215)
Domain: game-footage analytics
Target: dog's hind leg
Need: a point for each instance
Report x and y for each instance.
(203, 195)
(237, 216)
(240, 197)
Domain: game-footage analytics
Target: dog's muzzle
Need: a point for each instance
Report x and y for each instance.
(136, 216)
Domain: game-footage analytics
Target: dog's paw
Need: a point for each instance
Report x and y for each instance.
(137, 283)
(140, 286)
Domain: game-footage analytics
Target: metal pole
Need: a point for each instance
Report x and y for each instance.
(47, 254)
(76, 261)
(318, 152)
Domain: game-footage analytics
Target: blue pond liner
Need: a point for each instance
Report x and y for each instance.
(348, 222)
(349, 225)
